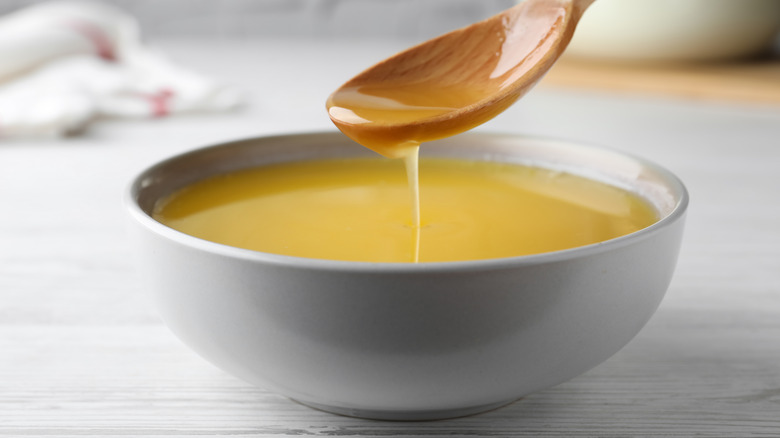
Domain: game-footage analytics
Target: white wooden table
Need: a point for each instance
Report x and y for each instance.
(82, 352)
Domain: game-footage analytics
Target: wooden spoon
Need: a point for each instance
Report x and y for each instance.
(457, 81)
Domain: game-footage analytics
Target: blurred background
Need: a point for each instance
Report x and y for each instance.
(691, 84)
(702, 49)
(412, 18)
(237, 18)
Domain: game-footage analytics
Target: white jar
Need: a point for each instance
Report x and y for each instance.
(676, 30)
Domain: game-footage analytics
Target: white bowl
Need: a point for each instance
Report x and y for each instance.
(676, 30)
(408, 341)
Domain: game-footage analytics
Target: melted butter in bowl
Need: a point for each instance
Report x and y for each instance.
(358, 210)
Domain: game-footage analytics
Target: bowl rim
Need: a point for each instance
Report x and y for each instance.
(141, 217)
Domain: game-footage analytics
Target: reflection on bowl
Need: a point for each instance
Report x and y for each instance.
(408, 341)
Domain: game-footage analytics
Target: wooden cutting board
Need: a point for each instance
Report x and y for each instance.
(754, 81)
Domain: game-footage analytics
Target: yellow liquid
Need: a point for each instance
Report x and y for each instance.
(398, 106)
(358, 210)
(374, 117)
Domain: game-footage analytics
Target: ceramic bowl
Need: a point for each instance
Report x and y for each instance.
(676, 30)
(408, 341)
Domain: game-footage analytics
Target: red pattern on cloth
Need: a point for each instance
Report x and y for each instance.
(100, 40)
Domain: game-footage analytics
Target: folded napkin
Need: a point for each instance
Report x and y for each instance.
(64, 64)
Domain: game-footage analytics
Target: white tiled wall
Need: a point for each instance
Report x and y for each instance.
(305, 17)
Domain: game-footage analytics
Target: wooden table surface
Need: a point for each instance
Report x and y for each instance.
(753, 80)
(83, 353)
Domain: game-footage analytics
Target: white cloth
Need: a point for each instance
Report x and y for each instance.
(64, 64)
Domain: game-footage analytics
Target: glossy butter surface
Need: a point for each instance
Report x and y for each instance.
(358, 210)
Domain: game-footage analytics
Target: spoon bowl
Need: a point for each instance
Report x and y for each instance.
(456, 81)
